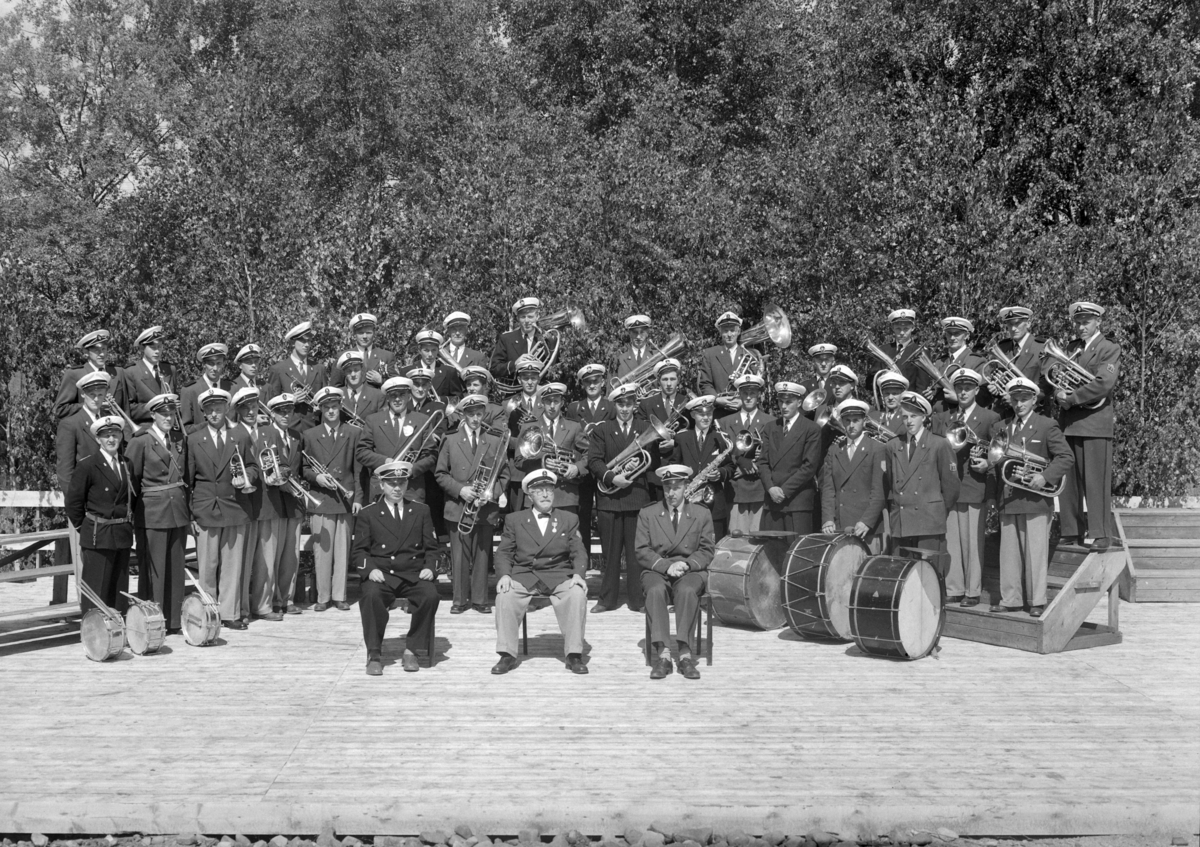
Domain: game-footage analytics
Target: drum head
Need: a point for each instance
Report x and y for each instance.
(843, 563)
(136, 631)
(96, 632)
(817, 584)
(919, 611)
(193, 619)
(745, 586)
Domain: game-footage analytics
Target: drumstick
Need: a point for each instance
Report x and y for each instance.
(200, 588)
(142, 603)
(90, 593)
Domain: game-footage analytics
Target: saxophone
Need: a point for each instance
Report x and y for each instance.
(698, 490)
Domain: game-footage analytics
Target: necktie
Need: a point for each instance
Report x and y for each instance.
(471, 435)
(157, 378)
(552, 427)
(675, 519)
(850, 451)
(910, 448)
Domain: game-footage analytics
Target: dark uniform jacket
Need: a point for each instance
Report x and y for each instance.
(509, 347)
(73, 443)
(854, 490)
(696, 455)
(401, 548)
(67, 402)
(531, 558)
(923, 489)
(581, 410)
(975, 487)
(190, 412)
(335, 450)
(214, 500)
(1041, 436)
(715, 367)
(918, 380)
(159, 470)
(658, 544)
(366, 401)
(277, 501)
(379, 360)
(284, 376)
(450, 386)
(568, 435)
(790, 462)
(606, 443)
(141, 387)
(456, 465)
(1102, 361)
(381, 443)
(97, 491)
(746, 486)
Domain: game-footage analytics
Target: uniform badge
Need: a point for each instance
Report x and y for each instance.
(407, 430)
(1111, 367)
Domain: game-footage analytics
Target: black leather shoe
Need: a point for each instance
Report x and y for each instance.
(292, 609)
(687, 667)
(271, 616)
(409, 662)
(956, 598)
(320, 607)
(662, 668)
(600, 607)
(342, 606)
(458, 610)
(1036, 611)
(482, 608)
(968, 602)
(506, 664)
(575, 664)
(233, 624)
(999, 608)
(374, 666)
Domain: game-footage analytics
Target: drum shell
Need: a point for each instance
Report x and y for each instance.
(102, 635)
(897, 608)
(145, 628)
(744, 583)
(817, 581)
(201, 622)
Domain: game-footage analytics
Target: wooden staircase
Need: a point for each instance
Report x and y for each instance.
(1163, 555)
(1077, 578)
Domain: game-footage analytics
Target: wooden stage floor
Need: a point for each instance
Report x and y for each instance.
(277, 729)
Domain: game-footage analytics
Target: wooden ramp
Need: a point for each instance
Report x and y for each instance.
(1077, 579)
(1163, 555)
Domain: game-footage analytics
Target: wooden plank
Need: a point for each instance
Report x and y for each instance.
(1164, 541)
(1147, 594)
(1163, 580)
(43, 613)
(1177, 562)
(36, 573)
(1160, 517)
(1070, 608)
(31, 500)
(994, 637)
(1093, 635)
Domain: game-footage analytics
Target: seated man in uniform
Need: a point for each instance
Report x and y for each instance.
(674, 545)
(540, 554)
(393, 543)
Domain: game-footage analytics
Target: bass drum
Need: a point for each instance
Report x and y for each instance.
(896, 607)
(816, 584)
(201, 621)
(744, 584)
(145, 628)
(102, 635)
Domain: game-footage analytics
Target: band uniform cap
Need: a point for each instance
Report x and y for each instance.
(363, 319)
(396, 470)
(210, 350)
(477, 372)
(590, 370)
(728, 319)
(243, 394)
(966, 375)
(99, 425)
(94, 378)
(823, 349)
(625, 389)
(843, 372)
(149, 334)
(350, 357)
(1021, 384)
(704, 401)
(788, 387)
(552, 389)
(667, 365)
(852, 406)
(1016, 313)
(539, 477)
(902, 315)
(916, 402)
(754, 380)
(429, 336)
(418, 372)
(298, 331)
(397, 383)
(91, 339)
(1084, 307)
(892, 378)
(326, 393)
(957, 325)
(638, 322)
(248, 351)
(161, 401)
(455, 318)
(284, 399)
(470, 401)
(213, 395)
(525, 362)
(674, 473)
(526, 303)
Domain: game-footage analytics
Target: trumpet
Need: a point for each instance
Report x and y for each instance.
(999, 370)
(416, 442)
(1018, 466)
(1065, 374)
(238, 467)
(643, 375)
(324, 469)
(699, 490)
(747, 442)
(301, 392)
(483, 480)
(926, 364)
(535, 442)
(275, 473)
(635, 459)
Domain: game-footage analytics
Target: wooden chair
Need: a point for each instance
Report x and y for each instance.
(705, 607)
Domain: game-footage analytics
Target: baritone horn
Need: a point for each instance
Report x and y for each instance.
(999, 370)
(1018, 466)
(635, 459)
(643, 375)
(547, 347)
(1065, 374)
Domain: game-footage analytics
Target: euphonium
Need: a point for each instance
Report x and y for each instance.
(999, 370)
(926, 364)
(1018, 466)
(635, 459)
(483, 480)
(1064, 373)
(536, 442)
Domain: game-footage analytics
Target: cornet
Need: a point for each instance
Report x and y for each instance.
(276, 473)
(1018, 466)
(238, 467)
(301, 392)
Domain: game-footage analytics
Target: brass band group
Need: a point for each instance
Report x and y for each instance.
(382, 454)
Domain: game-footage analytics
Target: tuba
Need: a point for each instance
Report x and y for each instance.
(482, 481)
(643, 375)
(635, 459)
(1018, 466)
(1064, 373)
(775, 328)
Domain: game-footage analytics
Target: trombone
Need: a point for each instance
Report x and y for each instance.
(109, 406)
(324, 469)
(635, 459)
(483, 480)
(416, 442)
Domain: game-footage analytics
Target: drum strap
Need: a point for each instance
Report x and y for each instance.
(98, 521)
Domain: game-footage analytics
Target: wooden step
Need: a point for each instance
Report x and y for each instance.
(1172, 531)
(1159, 516)
(1173, 595)
(1161, 563)
(1164, 543)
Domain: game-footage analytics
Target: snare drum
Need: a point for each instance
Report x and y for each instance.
(201, 621)
(744, 584)
(896, 607)
(102, 635)
(816, 584)
(145, 628)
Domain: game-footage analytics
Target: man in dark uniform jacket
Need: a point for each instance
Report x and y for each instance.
(212, 358)
(824, 356)
(160, 516)
(639, 350)
(540, 554)
(375, 360)
(150, 376)
(788, 462)
(1025, 352)
(668, 406)
(746, 512)
(393, 543)
(361, 399)
(95, 346)
(454, 327)
(276, 555)
(675, 545)
(923, 480)
(1088, 421)
(99, 505)
(443, 377)
(853, 493)
(386, 434)
(718, 363)
(957, 331)
(699, 447)
(903, 322)
(1025, 515)
(589, 412)
(515, 343)
(567, 439)
(617, 509)
(966, 523)
(891, 386)
(298, 375)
